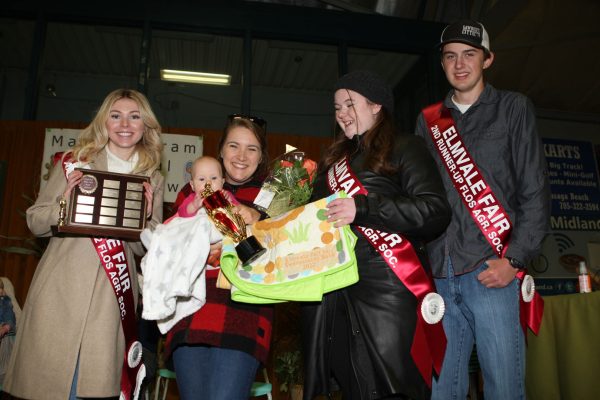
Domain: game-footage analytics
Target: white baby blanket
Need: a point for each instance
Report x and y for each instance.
(173, 269)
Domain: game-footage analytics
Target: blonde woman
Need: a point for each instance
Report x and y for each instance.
(71, 342)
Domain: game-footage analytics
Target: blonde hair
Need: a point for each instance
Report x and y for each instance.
(95, 136)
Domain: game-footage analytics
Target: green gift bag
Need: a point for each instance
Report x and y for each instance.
(306, 257)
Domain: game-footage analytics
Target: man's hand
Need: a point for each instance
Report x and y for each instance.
(499, 273)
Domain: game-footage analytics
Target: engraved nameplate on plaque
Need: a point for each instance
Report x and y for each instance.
(106, 204)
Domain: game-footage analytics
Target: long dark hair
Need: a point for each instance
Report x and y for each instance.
(377, 142)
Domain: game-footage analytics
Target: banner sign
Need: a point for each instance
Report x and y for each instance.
(179, 152)
(574, 187)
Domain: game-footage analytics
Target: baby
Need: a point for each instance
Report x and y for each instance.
(205, 169)
(180, 251)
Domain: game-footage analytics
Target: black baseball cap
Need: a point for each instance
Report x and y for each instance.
(468, 32)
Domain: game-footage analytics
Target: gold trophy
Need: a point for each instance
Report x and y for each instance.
(231, 224)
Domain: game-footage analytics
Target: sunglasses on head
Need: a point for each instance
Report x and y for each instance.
(256, 120)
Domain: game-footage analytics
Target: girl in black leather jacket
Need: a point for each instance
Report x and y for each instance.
(362, 335)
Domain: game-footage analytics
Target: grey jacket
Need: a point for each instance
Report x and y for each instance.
(500, 133)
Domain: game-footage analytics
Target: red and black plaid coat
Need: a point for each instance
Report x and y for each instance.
(222, 322)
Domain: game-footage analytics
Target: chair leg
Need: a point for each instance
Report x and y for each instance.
(269, 396)
(166, 389)
(157, 387)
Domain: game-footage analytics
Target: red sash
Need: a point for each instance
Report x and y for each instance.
(113, 259)
(429, 340)
(483, 205)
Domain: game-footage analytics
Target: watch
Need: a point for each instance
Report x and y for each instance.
(515, 263)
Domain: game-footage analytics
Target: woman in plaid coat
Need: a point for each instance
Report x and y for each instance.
(217, 350)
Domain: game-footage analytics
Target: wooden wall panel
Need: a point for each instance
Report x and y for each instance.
(21, 145)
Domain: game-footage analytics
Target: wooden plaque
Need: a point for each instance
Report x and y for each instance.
(106, 204)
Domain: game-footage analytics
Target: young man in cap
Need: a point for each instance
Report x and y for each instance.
(492, 162)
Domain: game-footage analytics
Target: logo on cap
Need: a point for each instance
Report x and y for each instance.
(471, 31)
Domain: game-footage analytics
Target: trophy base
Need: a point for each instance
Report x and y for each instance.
(249, 250)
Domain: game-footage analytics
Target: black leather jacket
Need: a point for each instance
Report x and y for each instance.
(380, 311)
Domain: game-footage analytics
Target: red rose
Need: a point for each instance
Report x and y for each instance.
(310, 167)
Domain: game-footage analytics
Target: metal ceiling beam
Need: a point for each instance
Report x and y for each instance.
(342, 59)
(264, 20)
(421, 9)
(247, 74)
(348, 6)
(33, 76)
(144, 68)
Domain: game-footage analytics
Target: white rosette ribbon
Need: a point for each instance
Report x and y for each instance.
(433, 308)
(134, 358)
(138, 381)
(527, 288)
(134, 355)
(70, 166)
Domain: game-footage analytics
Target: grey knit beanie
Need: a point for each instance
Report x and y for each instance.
(370, 85)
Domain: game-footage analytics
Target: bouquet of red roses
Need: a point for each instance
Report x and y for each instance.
(289, 185)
